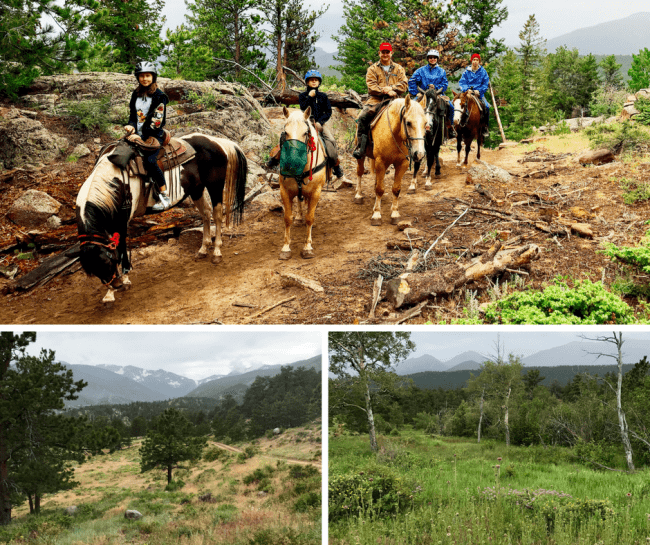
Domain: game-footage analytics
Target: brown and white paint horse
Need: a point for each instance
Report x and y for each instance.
(398, 137)
(109, 198)
(467, 122)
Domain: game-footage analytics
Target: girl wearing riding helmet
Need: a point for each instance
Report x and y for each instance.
(147, 115)
(321, 111)
(476, 78)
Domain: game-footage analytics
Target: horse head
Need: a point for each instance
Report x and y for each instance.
(297, 126)
(413, 127)
(435, 107)
(99, 257)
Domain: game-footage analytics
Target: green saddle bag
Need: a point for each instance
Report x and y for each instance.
(293, 158)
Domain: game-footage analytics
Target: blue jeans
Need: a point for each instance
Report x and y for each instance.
(151, 164)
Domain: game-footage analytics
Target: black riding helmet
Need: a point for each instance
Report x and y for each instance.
(146, 66)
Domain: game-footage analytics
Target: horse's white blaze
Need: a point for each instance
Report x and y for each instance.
(457, 111)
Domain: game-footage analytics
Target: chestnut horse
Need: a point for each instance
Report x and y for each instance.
(435, 111)
(467, 122)
(398, 137)
(304, 154)
(110, 198)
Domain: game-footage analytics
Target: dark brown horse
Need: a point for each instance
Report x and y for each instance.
(467, 122)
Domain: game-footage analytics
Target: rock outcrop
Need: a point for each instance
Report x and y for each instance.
(33, 209)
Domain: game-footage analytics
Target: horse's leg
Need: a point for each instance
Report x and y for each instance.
(298, 217)
(380, 173)
(287, 200)
(436, 153)
(358, 197)
(217, 215)
(459, 140)
(202, 206)
(430, 160)
(397, 187)
(414, 180)
(468, 147)
(312, 202)
(126, 263)
(479, 138)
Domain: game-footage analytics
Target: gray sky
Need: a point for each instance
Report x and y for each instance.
(555, 17)
(445, 345)
(192, 354)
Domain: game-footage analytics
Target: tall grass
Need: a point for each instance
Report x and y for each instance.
(469, 493)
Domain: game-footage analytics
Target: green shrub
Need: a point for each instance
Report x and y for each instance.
(307, 502)
(375, 491)
(618, 137)
(259, 474)
(634, 190)
(302, 472)
(643, 105)
(638, 256)
(215, 453)
(607, 101)
(89, 114)
(224, 513)
(175, 485)
(586, 303)
(599, 452)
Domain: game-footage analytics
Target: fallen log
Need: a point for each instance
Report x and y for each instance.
(47, 270)
(414, 287)
(290, 96)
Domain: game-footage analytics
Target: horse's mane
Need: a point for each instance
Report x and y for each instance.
(100, 194)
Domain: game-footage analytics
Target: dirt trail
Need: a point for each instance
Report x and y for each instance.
(171, 287)
(271, 457)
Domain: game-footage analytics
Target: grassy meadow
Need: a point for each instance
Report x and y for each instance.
(268, 493)
(420, 489)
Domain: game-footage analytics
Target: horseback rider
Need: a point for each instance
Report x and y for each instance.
(432, 74)
(321, 111)
(386, 80)
(476, 78)
(147, 116)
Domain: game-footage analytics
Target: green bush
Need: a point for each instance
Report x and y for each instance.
(302, 472)
(89, 114)
(618, 137)
(607, 101)
(638, 256)
(175, 485)
(307, 502)
(599, 452)
(224, 513)
(375, 491)
(634, 190)
(215, 453)
(643, 105)
(258, 475)
(586, 303)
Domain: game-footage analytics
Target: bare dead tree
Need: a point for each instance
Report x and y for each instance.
(616, 340)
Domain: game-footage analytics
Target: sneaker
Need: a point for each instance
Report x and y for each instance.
(163, 204)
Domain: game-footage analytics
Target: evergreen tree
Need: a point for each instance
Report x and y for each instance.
(185, 56)
(479, 19)
(531, 52)
(366, 360)
(368, 23)
(133, 30)
(229, 29)
(639, 72)
(611, 72)
(300, 38)
(30, 393)
(170, 440)
(42, 37)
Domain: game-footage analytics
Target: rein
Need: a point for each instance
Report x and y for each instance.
(110, 243)
(408, 139)
(313, 147)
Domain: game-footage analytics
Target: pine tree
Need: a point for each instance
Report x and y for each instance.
(300, 38)
(229, 29)
(611, 72)
(133, 30)
(479, 19)
(30, 393)
(639, 72)
(531, 52)
(42, 37)
(185, 56)
(170, 440)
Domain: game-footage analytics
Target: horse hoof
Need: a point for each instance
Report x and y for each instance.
(411, 191)
(108, 304)
(358, 200)
(307, 254)
(285, 255)
(395, 221)
(375, 221)
(199, 255)
(216, 259)
(428, 187)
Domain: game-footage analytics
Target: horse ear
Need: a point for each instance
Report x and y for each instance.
(307, 112)
(456, 95)
(421, 90)
(407, 102)
(285, 111)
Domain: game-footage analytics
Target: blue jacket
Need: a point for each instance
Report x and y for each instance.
(426, 76)
(321, 109)
(478, 80)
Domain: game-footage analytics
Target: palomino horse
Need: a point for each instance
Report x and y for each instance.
(435, 111)
(109, 198)
(303, 171)
(467, 121)
(398, 136)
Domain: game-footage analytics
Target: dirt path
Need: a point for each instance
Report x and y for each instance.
(270, 457)
(171, 287)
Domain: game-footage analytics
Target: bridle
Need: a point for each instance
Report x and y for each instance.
(432, 111)
(409, 139)
(312, 146)
(467, 110)
(110, 243)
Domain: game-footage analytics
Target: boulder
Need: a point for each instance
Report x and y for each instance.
(33, 208)
(276, 431)
(256, 174)
(629, 111)
(269, 201)
(26, 141)
(132, 514)
(81, 151)
(482, 172)
(596, 157)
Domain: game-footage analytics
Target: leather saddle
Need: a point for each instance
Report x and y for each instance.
(172, 153)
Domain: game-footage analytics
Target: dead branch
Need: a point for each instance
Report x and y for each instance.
(271, 307)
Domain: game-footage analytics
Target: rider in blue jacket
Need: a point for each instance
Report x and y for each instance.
(475, 77)
(431, 74)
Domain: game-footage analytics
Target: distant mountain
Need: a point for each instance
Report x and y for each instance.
(576, 353)
(620, 37)
(420, 364)
(463, 358)
(468, 365)
(169, 385)
(324, 60)
(106, 387)
(237, 385)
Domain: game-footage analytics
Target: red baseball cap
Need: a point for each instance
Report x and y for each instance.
(385, 47)
(475, 55)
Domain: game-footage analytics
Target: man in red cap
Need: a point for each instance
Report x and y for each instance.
(476, 78)
(386, 80)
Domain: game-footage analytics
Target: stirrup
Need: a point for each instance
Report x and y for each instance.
(163, 204)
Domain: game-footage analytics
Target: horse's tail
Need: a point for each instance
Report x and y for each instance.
(234, 188)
